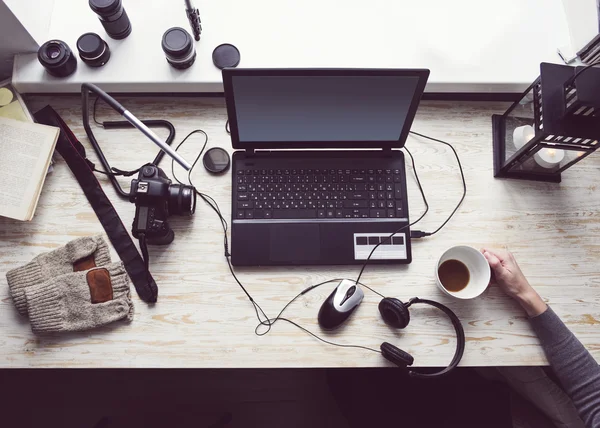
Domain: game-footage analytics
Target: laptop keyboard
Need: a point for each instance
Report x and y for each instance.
(318, 193)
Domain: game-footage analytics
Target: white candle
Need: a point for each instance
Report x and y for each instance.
(549, 158)
(522, 135)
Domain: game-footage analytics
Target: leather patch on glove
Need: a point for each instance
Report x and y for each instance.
(100, 285)
(84, 264)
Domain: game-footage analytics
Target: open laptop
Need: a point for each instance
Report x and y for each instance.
(315, 176)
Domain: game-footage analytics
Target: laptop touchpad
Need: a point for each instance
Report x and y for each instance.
(295, 243)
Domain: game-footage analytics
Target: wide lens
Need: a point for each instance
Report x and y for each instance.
(57, 58)
(53, 52)
(182, 200)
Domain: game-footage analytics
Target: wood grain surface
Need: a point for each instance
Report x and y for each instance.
(203, 319)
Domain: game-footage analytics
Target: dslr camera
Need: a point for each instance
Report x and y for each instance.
(156, 198)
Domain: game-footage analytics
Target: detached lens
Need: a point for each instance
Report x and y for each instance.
(182, 200)
(179, 48)
(93, 50)
(57, 58)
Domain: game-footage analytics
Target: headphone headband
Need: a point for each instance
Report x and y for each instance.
(398, 357)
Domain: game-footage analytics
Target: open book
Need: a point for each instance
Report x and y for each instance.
(25, 154)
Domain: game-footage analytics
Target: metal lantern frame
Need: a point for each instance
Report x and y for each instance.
(563, 108)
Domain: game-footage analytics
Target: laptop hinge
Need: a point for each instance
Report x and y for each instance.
(249, 152)
(387, 151)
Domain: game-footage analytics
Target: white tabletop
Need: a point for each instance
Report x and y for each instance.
(469, 45)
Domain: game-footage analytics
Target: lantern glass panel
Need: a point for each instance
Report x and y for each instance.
(519, 124)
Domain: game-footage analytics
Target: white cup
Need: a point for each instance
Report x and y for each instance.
(479, 271)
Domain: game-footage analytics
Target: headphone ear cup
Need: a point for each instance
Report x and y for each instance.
(396, 355)
(394, 313)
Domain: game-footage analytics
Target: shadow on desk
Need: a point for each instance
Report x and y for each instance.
(249, 398)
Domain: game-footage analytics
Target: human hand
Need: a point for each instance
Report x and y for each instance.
(510, 279)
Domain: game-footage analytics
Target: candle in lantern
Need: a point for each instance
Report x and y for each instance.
(549, 158)
(522, 135)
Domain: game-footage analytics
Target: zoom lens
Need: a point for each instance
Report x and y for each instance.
(93, 50)
(57, 58)
(179, 48)
(113, 17)
(182, 199)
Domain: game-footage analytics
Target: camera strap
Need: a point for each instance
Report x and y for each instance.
(74, 155)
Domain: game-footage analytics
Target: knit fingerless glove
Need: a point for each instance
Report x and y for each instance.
(78, 255)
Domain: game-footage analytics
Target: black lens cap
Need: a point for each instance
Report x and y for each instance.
(226, 55)
(177, 42)
(216, 160)
(90, 45)
(105, 7)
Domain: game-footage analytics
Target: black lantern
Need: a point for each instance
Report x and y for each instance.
(554, 125)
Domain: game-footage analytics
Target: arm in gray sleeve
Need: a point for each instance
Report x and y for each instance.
(574, 366)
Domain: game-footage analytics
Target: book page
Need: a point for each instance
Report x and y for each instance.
(25, 151)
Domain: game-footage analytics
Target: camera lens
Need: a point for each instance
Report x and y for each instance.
(93, 50)
(182, 199)
(179, 48)
(113, 17)
(57, 58)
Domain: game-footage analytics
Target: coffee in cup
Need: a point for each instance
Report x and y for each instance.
(463, 272)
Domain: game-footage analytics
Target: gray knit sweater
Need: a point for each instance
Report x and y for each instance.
(574, 366)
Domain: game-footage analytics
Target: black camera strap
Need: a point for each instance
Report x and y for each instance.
(74, 155)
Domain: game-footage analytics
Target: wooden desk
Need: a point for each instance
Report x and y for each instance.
(202, 318)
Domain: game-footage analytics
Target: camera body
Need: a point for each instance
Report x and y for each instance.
(156, 198)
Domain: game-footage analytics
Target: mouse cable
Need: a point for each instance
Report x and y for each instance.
(265, 323)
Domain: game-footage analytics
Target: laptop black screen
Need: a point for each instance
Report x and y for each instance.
(322, 109)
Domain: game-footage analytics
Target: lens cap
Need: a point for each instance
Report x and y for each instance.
(216, 160)
(226, 55)
(177, 43)
(105, 7)
(90, 45)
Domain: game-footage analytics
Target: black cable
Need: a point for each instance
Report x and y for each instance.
(263, 319)
(195, 131)
(578, 73)
(327, 341)
(412, 160)
(403, 227)
(462, 175)
(267, 322)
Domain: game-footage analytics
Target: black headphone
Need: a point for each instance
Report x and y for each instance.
(395, 314)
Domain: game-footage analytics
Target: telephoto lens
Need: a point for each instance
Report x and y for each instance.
(179, 48)
(182, 199)
(57, 58)
(113, 17)
(93, 50)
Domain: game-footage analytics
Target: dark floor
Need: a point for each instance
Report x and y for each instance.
(248, 398)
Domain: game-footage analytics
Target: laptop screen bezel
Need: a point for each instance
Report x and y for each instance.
(229, 73)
